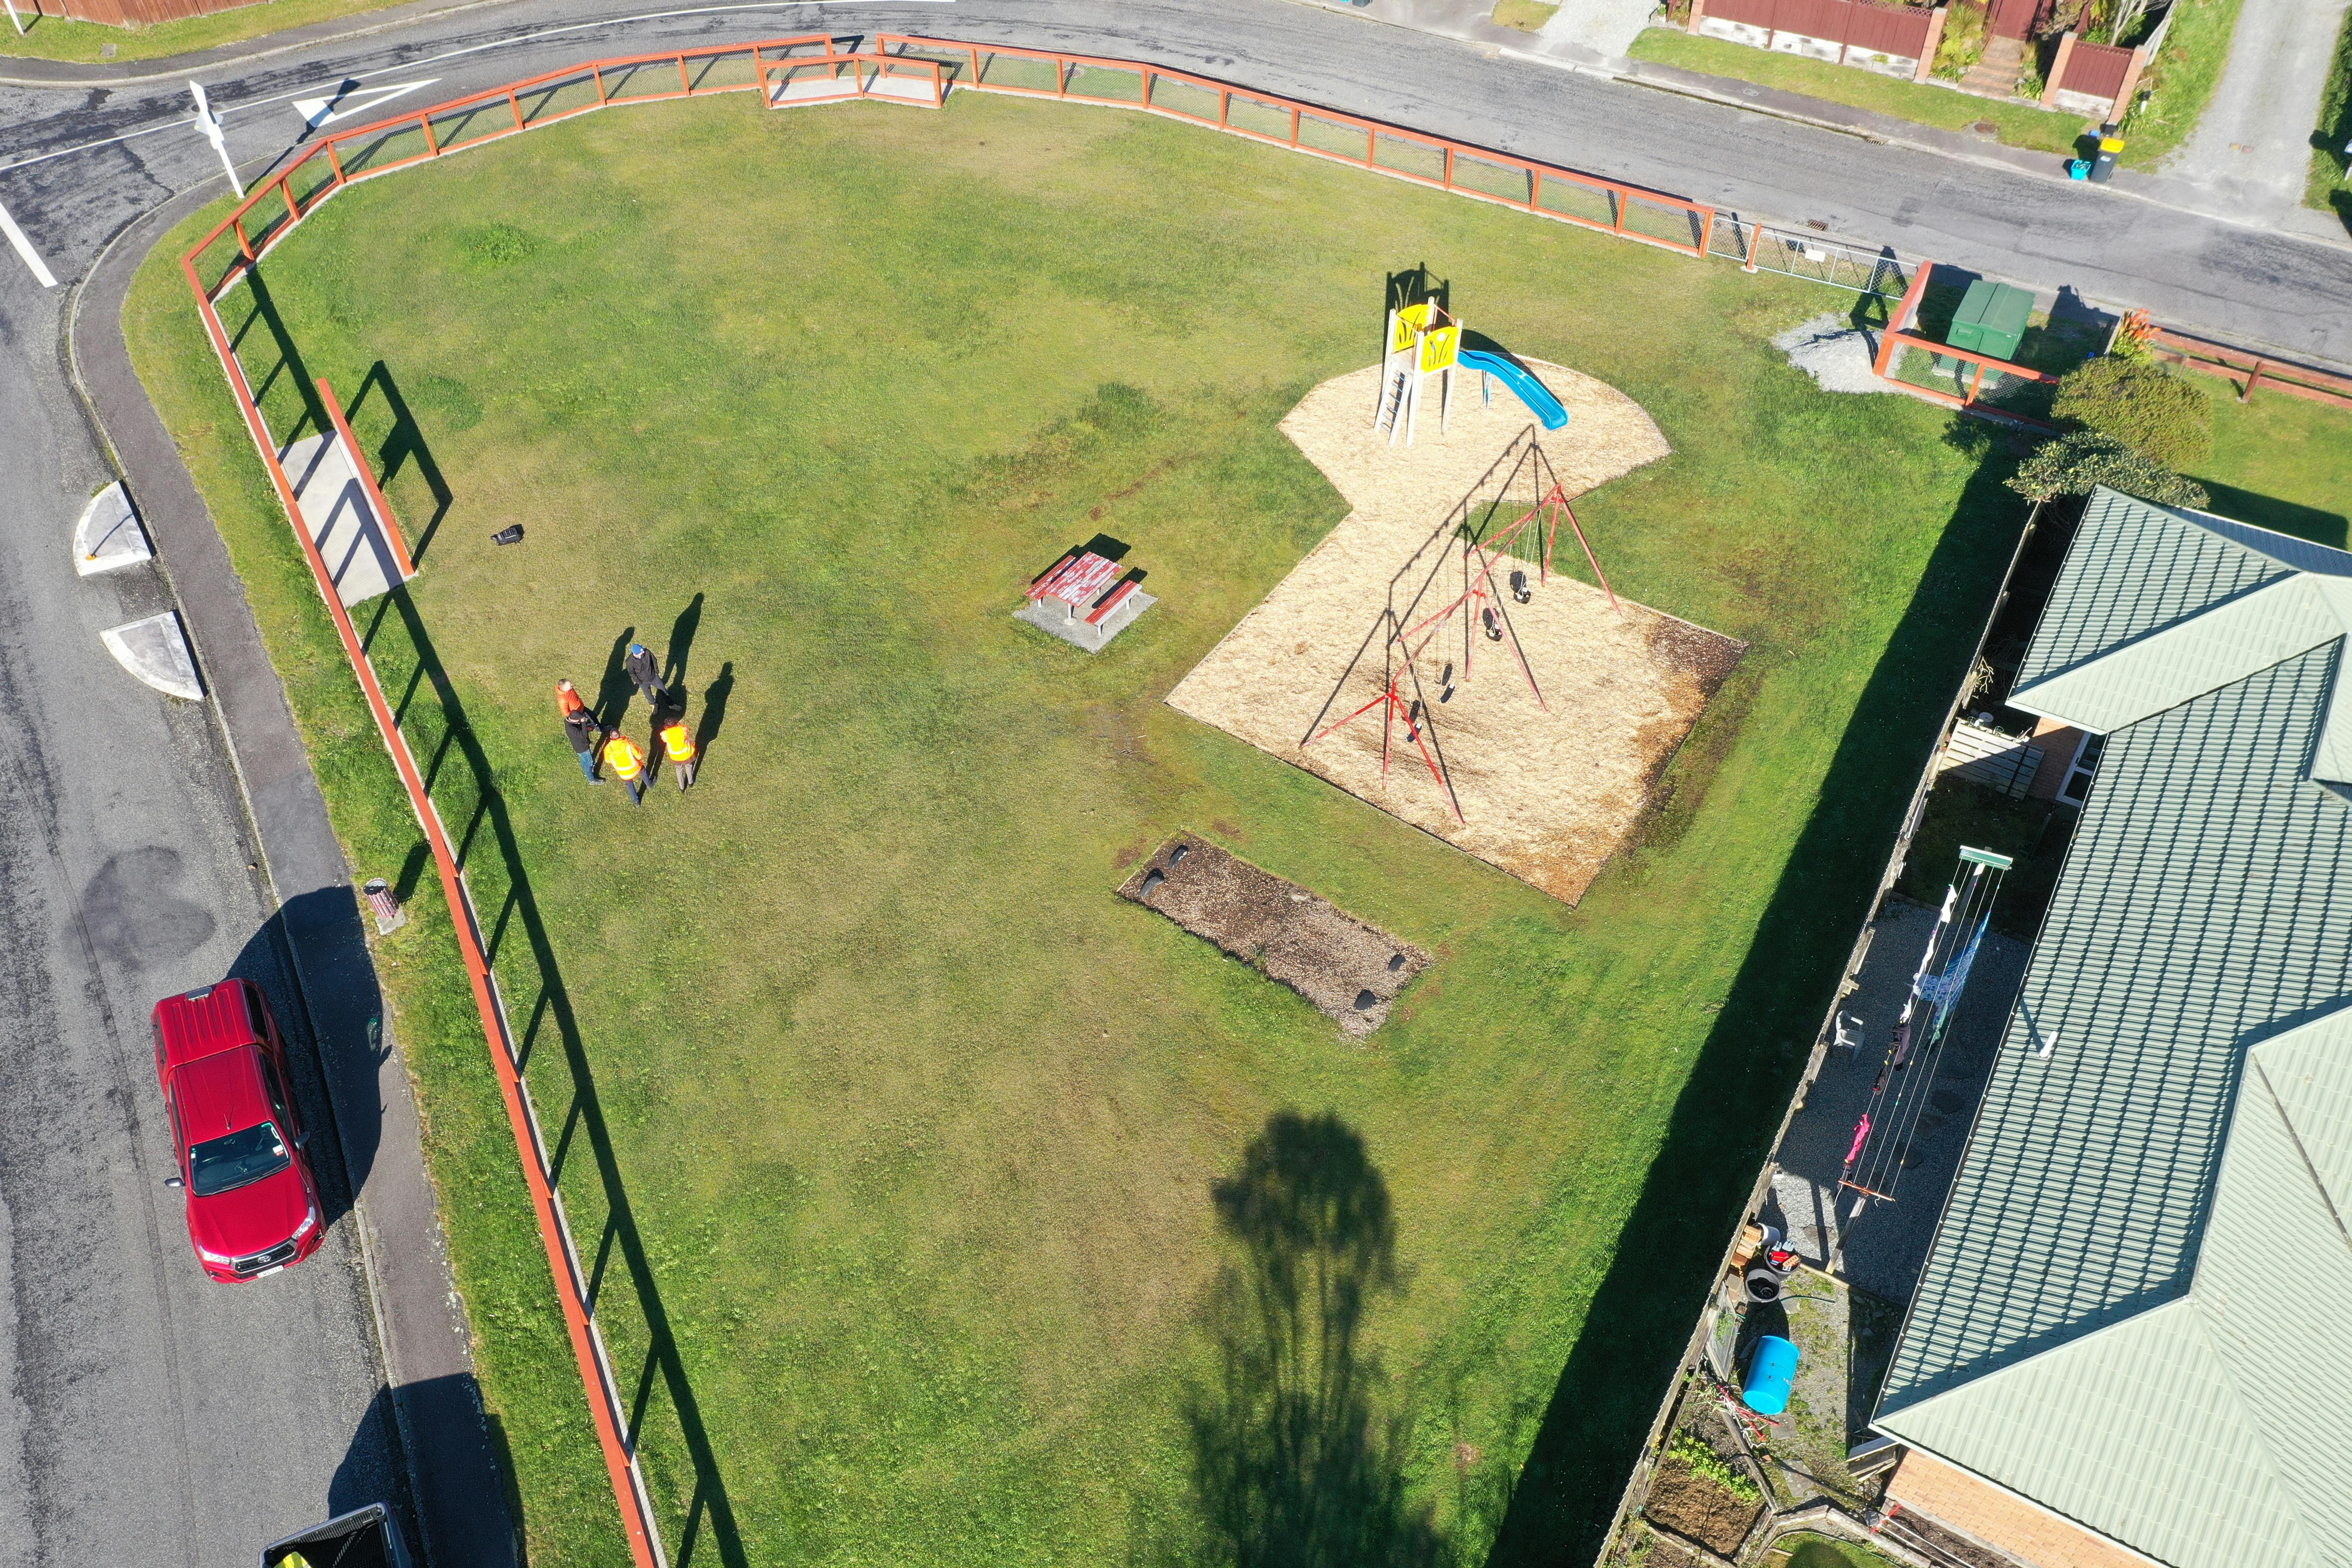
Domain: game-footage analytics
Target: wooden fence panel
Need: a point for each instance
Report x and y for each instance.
(2097, 69)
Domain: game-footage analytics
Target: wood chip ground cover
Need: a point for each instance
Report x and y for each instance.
(902, 1137)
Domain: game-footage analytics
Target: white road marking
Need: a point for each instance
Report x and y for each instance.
(24, 249)
(469, 50)
(318, 111)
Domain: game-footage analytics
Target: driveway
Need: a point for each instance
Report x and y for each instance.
(2251, 154)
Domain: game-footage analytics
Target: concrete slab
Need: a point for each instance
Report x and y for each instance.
(156, 650)
(1053, 617)
(1882, 1249)
(1607, 27)
(341, 521)
(109, 538)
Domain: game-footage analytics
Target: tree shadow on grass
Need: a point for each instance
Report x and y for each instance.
(627, 1304)
(1293, 1464)
(1558, 1509)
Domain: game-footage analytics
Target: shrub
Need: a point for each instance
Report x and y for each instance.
(1702, 1460)
(1963, 42)
(2074, 462)
(2141, 403)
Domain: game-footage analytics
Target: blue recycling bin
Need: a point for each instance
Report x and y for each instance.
(1771, 1371)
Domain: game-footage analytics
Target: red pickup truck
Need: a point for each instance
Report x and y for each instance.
(236, 1137)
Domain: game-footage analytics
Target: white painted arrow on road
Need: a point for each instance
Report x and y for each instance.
(349, 100)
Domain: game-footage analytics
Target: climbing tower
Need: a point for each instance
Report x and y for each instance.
(1423, 342)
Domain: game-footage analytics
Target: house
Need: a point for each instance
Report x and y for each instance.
(2129, 1344)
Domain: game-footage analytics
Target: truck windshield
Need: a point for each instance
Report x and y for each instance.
(223, 1164)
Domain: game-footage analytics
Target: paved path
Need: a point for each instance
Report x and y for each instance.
(2251, 154)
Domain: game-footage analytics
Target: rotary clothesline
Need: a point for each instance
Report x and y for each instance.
(1898, 1098)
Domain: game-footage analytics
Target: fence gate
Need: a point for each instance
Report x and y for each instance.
(2013, 18)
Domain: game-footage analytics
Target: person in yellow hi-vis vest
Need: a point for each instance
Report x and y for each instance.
(677, 745)
(628, 765)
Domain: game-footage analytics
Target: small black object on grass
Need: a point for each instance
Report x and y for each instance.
(511, 534)
(1151, 880)
(1366, 1001)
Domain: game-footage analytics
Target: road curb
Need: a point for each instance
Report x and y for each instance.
(79, 76)
(424, 1341)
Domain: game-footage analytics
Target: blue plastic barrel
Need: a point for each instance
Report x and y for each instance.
(1769, 1373)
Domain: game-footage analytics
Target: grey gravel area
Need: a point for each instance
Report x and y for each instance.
(1834, 353)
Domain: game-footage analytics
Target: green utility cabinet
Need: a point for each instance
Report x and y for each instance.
(1992, 319)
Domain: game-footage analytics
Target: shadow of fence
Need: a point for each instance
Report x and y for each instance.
(664, 1422)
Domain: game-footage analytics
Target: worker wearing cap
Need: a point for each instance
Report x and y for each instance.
(677, 745)
(644, 671)
(628, 765)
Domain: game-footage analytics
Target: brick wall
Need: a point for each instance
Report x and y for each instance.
(1953, 1497)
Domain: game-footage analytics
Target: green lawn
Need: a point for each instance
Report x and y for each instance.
(50, 38)
(932, 1192)
(2280, 462)
(2021, 125)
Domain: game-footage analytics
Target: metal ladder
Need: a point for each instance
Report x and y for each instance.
(1392, 403)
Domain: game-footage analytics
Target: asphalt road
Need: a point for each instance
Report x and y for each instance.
(147, 1415)
(2289, 293)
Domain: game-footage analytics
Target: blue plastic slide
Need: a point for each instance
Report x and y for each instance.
(1531, 391)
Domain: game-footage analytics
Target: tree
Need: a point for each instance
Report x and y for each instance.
(2141, 403)
(2075, 462)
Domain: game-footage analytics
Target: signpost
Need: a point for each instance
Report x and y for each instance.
(209, 123)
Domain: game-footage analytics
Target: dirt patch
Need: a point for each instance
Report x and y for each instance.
(1691, 1505)
(1348, 969)
(1549, 786)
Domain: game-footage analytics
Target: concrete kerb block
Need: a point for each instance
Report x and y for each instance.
(156, 651)
(107, 537)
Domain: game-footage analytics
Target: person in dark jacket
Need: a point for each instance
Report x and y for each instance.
(646, 670)
(581, 729)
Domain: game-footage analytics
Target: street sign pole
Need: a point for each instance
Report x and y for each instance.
(14, 17)
(209, 123)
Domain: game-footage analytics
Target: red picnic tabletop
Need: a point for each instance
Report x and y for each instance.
(1076, 581)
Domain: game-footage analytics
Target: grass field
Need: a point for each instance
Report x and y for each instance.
(2280, 462)
(52, 39)
(945, 1208)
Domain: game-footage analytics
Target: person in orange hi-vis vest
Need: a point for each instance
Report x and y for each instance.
(677, 745)
(628, 765)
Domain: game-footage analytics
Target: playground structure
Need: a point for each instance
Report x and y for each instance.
(1495, 560)
(1542, 770)
(1424, 343)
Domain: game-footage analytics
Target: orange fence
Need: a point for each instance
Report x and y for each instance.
(1981, 383)
(1435, 162)
(809, 69)
(2253, 369)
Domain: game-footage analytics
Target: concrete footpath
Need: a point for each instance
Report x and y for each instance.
(458, 1491)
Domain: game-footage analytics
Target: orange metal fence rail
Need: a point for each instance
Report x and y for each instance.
(2256, 370)
(1424, 160)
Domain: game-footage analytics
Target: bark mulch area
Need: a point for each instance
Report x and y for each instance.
(1349, 970)
(1550, 788)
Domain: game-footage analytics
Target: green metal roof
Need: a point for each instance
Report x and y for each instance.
(2132, 1312)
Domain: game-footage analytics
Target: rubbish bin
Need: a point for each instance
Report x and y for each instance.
(2103, 164)
(1771, 1371)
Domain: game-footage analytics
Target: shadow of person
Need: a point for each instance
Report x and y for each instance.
(613, 692)
(1292, 1461)
(714, 708)
(681, 645)
(310, 960)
